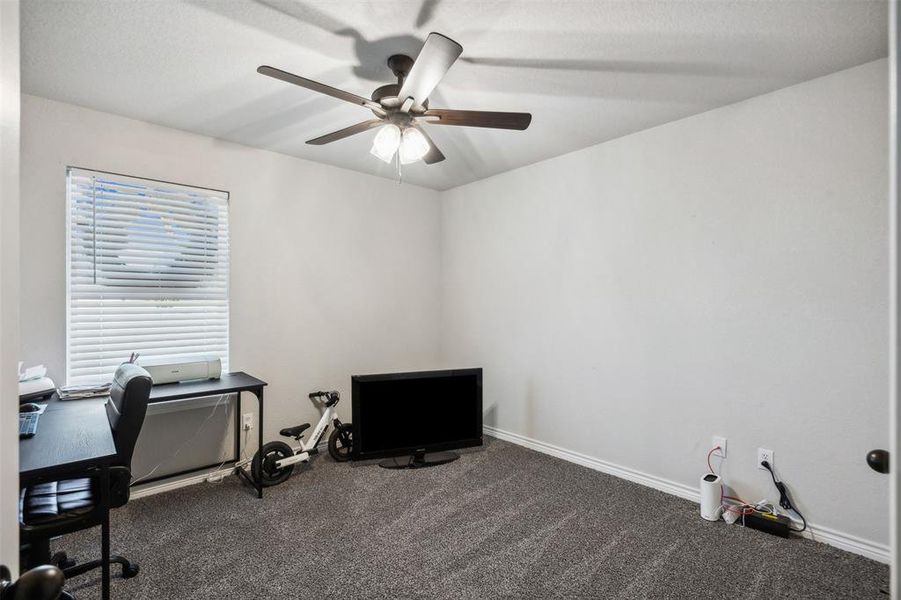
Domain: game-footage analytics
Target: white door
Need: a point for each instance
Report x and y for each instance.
(894, 138)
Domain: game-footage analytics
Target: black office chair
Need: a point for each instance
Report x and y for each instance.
(54, 508)
(40, 583)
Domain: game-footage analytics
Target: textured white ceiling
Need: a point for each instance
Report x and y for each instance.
(588, 71)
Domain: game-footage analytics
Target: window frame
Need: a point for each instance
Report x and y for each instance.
(222, 195)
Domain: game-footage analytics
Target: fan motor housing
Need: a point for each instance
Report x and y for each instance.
(386, 95)
(386, 91)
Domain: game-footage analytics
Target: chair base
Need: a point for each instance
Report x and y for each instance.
(41, 555)
(62, 560)
(38, 552)
(129, 569)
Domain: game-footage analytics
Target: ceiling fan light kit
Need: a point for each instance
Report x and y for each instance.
(402, 108)
(386, 143)
(413, 146)
(409, 143)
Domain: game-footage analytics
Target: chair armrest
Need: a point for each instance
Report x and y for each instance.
(120, 486)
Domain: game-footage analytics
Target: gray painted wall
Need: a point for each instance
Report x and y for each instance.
(332, 272)
(726, 274)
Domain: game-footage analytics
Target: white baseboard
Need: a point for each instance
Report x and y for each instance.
(151, 489)
(827, 535)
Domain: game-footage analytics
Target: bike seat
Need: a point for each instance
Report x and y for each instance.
(294, 432)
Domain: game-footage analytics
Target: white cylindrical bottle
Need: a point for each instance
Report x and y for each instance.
(711, 497)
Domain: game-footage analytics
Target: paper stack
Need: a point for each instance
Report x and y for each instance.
(31, 373)
(78, 392)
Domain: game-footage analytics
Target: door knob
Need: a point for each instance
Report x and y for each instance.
(878, 460)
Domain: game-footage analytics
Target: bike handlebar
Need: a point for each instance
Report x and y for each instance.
(332, 397)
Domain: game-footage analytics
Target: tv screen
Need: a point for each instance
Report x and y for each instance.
(411, 413)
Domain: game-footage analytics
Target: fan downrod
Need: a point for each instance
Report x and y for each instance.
(387, 95)
(400, 65)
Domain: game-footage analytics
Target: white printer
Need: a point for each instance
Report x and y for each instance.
(172, 371)
(34, 383)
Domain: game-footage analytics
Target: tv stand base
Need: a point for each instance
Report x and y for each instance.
(419, 460)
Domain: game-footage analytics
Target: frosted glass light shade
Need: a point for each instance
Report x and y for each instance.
(413, 146)
(386, 142)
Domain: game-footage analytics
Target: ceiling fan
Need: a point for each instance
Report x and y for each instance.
(402, 108)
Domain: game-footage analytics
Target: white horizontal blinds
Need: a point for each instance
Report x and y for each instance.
(147, 272)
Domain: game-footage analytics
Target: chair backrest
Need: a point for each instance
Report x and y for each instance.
(126, 408)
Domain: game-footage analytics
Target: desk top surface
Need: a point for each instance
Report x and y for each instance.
(227, 384)
(71, 435)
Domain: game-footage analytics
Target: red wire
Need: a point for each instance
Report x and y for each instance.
(709, 454)
(744, 511)
(723, 496)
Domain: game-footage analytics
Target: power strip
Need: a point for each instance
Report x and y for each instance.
(218, 475)
(773, 524)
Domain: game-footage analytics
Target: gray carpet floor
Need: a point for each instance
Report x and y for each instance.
(501, 522)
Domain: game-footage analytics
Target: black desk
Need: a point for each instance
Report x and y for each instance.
(73, 438)
(71, 435)
(229, 383)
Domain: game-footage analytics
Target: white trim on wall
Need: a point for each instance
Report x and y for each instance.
(213, 476)
(827, 535)
(9, 280)
(895, 289)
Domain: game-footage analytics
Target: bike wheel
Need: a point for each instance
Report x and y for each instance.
(264, 468)
(340, 443)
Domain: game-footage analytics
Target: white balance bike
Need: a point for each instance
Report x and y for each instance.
(275, 461)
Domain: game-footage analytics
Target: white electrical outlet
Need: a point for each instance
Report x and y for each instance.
(764, 455)
(248, 421)
(721, 442)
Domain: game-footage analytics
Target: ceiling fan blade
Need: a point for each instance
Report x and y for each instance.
(346, 132)
(478, 118)
(320, 87)
(434, 155)
(437, 55)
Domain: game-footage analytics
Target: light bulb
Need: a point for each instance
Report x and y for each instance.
(386, 142)
(414, 146)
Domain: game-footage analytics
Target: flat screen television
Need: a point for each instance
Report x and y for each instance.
(416, 415)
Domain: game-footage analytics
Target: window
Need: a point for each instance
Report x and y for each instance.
(147, 272)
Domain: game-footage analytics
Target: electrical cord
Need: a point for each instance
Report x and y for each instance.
(743, 507)
(184, 443)
(215, 476)
(709, 454)
(784, 500)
